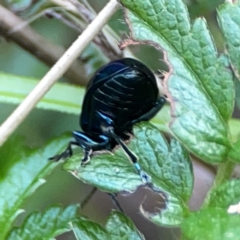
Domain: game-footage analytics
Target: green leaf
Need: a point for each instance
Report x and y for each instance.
(22, 172)
(121, 227)
(225, 195)
(168, 166)
(172, 215)
(234, 153)
(199, 86)
(89, 230)
(48, 225)
(13, 89)
(118, 226)
(229, 21)
(211, 224)
(108, 172)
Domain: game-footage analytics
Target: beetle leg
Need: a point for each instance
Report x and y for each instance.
(65, 154)
(86, 142)
(145, 178)
(107, 128)
(89, 145)
(86, 158)
(154, 110)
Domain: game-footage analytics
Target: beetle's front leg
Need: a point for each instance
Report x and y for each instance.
(89, 145)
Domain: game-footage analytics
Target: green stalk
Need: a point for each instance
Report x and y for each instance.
(224, 172)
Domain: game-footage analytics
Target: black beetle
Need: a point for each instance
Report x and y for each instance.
(120, 94)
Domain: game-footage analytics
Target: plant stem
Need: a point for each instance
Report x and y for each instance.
(224, 172)
(21, 112)
(88, 197)
(14, 28)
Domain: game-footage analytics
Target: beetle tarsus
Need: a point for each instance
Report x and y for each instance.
(86, 158)
(145, 178)
(65, 154)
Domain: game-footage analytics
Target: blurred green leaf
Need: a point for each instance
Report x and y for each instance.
(94, 59)
(211, 224)
(118, 227)
(203, 7)
(62, 97)
(229, 21)
(225, 195)
(47, 225)
(22, 172)
(168, 166)
(18, 5)
(200, 87)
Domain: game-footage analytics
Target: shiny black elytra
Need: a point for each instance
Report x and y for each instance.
(120, 94)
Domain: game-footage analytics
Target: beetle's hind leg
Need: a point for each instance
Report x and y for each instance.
(145, 178)
(65, 154)
(108, 130)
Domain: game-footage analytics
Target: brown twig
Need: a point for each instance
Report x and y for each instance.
(34, 43)
(20, 113)
(88, 197)
(83, 11)
(103, 39)
(100, 40)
